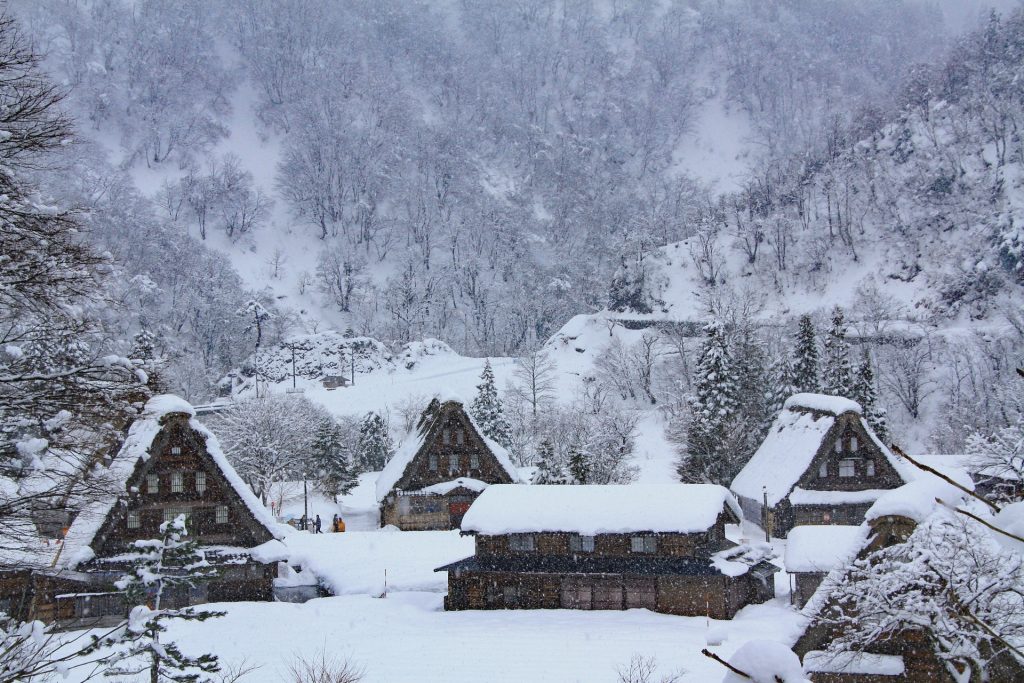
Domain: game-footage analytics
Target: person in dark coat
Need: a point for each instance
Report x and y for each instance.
(317, 525)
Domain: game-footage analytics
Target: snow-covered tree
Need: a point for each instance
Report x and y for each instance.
(579, 465)
(837, 377)
(781, 385)
(806, 377)
(999, 458)
(332, 459)
(270, 439)
(534, 380)
(714, 405)
(866, 394)
(172, 561)
(549, 470)
(487, 410)
(374, 448)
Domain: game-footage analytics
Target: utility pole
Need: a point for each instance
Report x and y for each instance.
(352, 363)
(767, 518)
(293, 366)
(305, 503)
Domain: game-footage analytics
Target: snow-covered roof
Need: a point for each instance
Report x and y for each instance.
(917, 500)
(801, 496)
(821, 548)
(597, 509)
(768, 661)
(794, 440)
(449, 486)
(135, 449)
(853, 663)
(414, 441)
(822, 403)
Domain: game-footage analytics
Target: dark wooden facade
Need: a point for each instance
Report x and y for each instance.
(451, 448)
(666, 572)
(847, 460)
(179, 477)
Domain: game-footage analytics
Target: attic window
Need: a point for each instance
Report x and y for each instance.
(200, 482)
(433, 463)
(581, 544)
(171, 513)
(460, 436)
(643, 544)
(474, 461)
(453, 464)
(839, 445)
(823, 470)
(177, 482)
(222, 514)
(152, 483)
(853, 443)
(446, 436)
(521, 542)
(870, 468)
(133, 519)
(175, 450)
(847, 468)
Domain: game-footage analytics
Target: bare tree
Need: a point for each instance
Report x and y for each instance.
(535, 379)
(906, 373)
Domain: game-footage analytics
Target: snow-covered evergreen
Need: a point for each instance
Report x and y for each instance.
(837, 372)
(374, 447)
(806, 363)
(487, 410)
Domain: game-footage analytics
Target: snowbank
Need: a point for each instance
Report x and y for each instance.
(462, 482)
(593, 509)
(917, 500)
(765, 661)
(821, 548)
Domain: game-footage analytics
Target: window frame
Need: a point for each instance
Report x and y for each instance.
(823, 470)
(133, 520)
(847, 468)
(175, 450)
(853, 443)
(869, 467)
(217, 515)
(578, 543)
(474, 461)
(200, 481)
(460, 437)
(643, 544)
(432, 463)
(522, 543)
(152, 484)
(453, 463)
(177, 481)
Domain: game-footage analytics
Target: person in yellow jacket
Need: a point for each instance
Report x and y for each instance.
(338, 525)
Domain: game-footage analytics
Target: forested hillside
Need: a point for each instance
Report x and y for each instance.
(471, 171)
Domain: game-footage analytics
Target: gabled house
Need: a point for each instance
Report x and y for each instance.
(819, 464)
(169, 465)
(661, 548)
(440, 469)
(812, 551)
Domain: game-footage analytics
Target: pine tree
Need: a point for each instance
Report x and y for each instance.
(159, 565)
(714, 407)
(866, 395)
(144, 353)
(579, 465)
(548, 470)
(838, 375)
(754, 414)
(374, 448)
(487, 411)
(805, 357)
(782, 385)
(332, 460)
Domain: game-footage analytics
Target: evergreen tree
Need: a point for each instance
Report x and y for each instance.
(144, 353)
(332, 460)
(374, 448)
(838, 375)
(579, 465)
(487, 410)
(866, 395)
(754, 413)
(805, 357)
(782, 385)
(158, 565)
(714, 407)
(548, 470)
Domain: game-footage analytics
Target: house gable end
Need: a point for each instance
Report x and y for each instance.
(846, 426)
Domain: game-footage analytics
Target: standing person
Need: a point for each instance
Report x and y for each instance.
(317, 525)
(334, 524)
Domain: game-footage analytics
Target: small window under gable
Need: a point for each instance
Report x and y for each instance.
(643, 544)
(823, 470)
(200, 482)
(175, 450)
(134, 521)
(222, 514)
(474, 461)
(446, 435)
(847, 468)
(460, 436)
(152, 483)
(839, 445)
(171, 513)
(453, 463)
(433, 462)
(870, 468)
(521, 542)
(177, 482)
(853, 444)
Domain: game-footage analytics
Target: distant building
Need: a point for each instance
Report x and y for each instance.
(815, 550)
(661, 548)
(819, 464)
(169, 465)
(439, 471)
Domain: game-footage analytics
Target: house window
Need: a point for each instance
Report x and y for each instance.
(453, 464)
(513, 595)
(460, 436)
(222, 514)
(177, 482)
(175, 450)
(521, 542)
(870, 468)
(133, 519)
(446, 436)
(644, 544)
(607, 595)
(170, 514)
(839, 445)
(853, 443)
(153, 483)
(581, 544)
(433, 463)
(200, 482)
(847, 468)
(823, 470)
(474, 461)
(576, 595)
